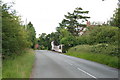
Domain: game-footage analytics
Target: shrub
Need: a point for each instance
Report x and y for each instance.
(105, 49)
(103, 34)
(68, 42)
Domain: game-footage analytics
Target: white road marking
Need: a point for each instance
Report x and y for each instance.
(86, 73)
(82, 70)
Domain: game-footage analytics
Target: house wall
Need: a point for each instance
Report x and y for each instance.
(56, 48)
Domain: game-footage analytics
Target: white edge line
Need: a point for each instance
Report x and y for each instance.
(82, 70)
(86, 72)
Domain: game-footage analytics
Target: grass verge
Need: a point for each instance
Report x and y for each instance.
(84, 52)
(20, 66)
(0, 67)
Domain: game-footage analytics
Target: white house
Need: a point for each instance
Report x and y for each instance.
(56, 48)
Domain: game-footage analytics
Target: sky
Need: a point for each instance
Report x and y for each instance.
(46, 15)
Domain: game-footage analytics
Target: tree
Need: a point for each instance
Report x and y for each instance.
(68, 29)
(68, 42)
(14, 36)
(42, 41)
(74, 20)
(115, 20)
(32, 34)
(100, 34)
(45, 40)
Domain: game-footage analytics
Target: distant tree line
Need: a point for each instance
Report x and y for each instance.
(15, 36)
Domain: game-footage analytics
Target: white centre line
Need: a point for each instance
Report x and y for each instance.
(86, 73)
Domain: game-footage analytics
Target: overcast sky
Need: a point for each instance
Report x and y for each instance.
(46, 14)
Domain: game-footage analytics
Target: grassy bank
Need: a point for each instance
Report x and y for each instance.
(19, 66)
(84, 51)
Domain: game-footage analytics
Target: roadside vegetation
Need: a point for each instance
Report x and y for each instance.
(15, 36)
(99, 44)
(85, 52)
(18, 42)
(19, 66)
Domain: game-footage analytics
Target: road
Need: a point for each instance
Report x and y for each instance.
(49, 64)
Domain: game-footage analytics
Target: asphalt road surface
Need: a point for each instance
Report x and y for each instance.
(49, 64)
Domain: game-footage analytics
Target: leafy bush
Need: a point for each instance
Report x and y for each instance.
(105, 49)
(103, 34)
(99, 34)
(15, 37)
(68, 42)
(84, 39)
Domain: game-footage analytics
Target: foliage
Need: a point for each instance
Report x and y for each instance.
(31, 31)
(42, 41)
(84, 39)
(72, 21)
(105, 49)
(45, 40)
(68, 28)
(15, 37)
(100, 34)
(115, 20)
(93, 35)
(67, 42)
